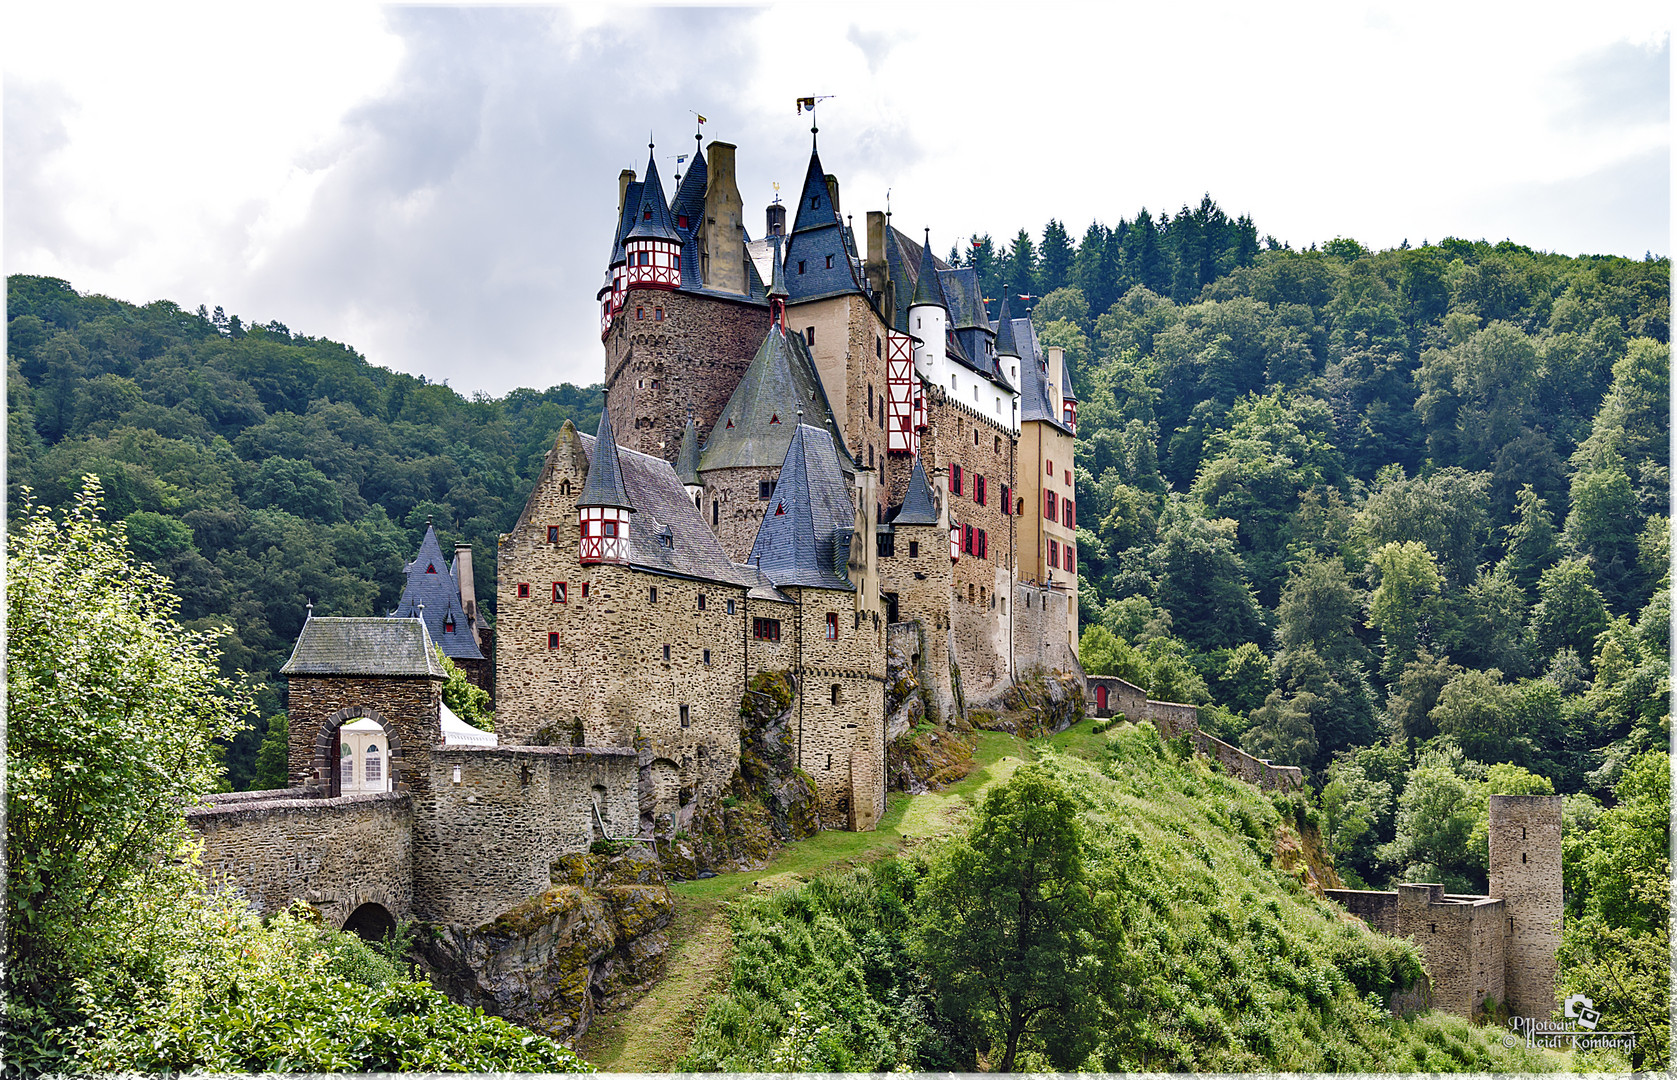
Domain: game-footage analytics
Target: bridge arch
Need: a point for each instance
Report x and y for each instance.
(326, 748)
(371, 922)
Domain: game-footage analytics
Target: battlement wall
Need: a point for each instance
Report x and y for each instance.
(1173, 719)
(497, 817)
(274, 847)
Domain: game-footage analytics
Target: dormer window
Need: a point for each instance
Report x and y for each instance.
(448, 625)
(800, 266)
(779, 509)
(829, 262)
(774, 418)
(430, 568)
(681, 221)
(646, 215)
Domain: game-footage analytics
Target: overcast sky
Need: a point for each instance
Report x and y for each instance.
(436, 186)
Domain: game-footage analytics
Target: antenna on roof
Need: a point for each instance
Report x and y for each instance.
(776, 185)
(420, 612)
(308, 613)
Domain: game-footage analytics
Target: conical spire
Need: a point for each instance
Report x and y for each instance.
(1006, 343)
(687, 460)
(777, 281)
(432, 594)
(756, 424)
(815, 205)
(927, 288)
(605, 472)
(652, 219)
(919, 504)
(805, 535)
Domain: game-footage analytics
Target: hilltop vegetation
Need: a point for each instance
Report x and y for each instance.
(1197, 952)
(262, 470)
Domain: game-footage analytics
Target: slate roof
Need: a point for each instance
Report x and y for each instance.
(687, 459)
(625, 220)
(815, 205)
(431, 584)
(1066, 392)
(920, 502)
(1035, 402)
(966, 299)
(652, 218)
(364, 646)
(605, 477)
(1007, 343)
(928, 289)
(690, 193)
(663, 506)
(805, 535)
(756, 426)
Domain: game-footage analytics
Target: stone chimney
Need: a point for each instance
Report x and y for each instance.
(775, 218)
(832, 193)
(624, 179)
(878, 269)
(468, 588)
(1056, 368)
(722, 231)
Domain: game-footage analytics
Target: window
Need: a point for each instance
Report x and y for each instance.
(1050, 508)
(1070, 514)
(832, 626)
(715, 513)
(666, 654)
(966, 539)
(980, 491)
(730, 607)
(346, 764)
(686, 717)
(870, 401)
(585, 590)
(430, 568)
(524, 590)
(1071, 559)
(559, 591)
(652, 595)
(1054, 554)
(835, 693)
(553, 640)
(681, 221)
(553, 534)
(657, 316)
(998, 444)
(1050, 468)
(1068, 478)
(765, 489)
(701, 601)
(1007, 500)
(954, 479)
(914, 549)
(608, 528)
(375, 765)
(707, 658)
(809, 335)
(829, 262)
(640, 313)
(448, 624)
(765, 629)
(983, 544)
(800, 266)
(886, 544)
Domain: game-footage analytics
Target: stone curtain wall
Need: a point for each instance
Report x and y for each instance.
(337, 854)
(696, 355)
(842, 745)
(922, 585)
(1040, 617)
(1525, 871)
(731, 500)
(1461, 940)
(846, 330)
(1173, 718)
(318, 705)
(1377, 909)
(485, 843)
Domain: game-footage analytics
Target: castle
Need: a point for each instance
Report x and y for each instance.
(806, 451)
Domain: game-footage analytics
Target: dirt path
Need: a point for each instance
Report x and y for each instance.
(652, 1034)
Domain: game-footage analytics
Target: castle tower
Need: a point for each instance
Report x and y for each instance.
(1068, 397)
(603, 508)
(928, 320)
(1007, 357)
(687, 461)
(431, 593)
(652, 246)
(1525, 871)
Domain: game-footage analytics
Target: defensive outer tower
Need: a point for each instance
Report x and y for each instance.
(1525, 870)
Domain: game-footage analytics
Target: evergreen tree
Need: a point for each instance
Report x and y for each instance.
(1019, 269)
(1055, 258)
(1145, 256)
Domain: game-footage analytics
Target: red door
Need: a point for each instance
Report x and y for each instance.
(1100, 699)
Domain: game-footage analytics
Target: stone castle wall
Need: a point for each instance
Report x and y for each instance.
(849, 355)
(922, 585)
(695, 355)
(1040, 617)
(842, 744)
(1173, 718)
(407, 709)
(1525, 871)
(733, 504)
(274, 847)
(498, 817)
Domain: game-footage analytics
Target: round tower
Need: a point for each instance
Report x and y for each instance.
(928, 318)
(652, 246)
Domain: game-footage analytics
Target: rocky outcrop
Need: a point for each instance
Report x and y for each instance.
(905, 695)
(1041, 703)
(593, 941)
(926, 758)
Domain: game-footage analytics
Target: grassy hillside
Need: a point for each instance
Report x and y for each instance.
(1219, 960)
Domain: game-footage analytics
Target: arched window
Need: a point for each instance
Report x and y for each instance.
(346, 765)
(374, 772)
(835, 696)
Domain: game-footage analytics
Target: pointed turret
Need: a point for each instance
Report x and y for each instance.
(928, 320)
(805, 535)
(815, 205)
(1068, 397)
(431, 593)
(652, 245)
(777, 287)
(928, 290)
(687, 460)
(919, 502)
(1007, 343)
(603, 507)
(820, 257)
(688, 206)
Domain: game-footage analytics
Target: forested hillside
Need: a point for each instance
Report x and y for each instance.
(262, 470)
